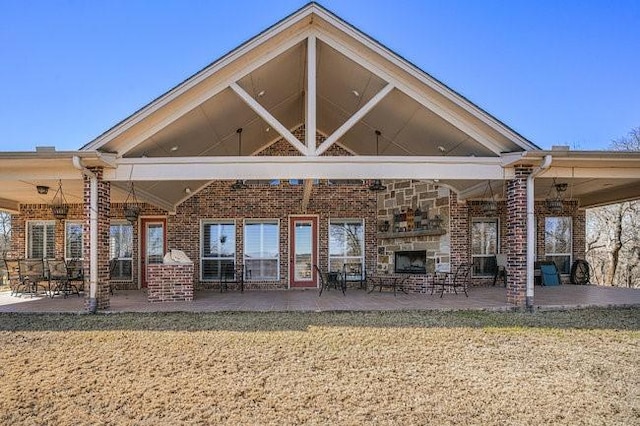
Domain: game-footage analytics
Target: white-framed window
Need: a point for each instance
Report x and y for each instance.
(262, 249)
(346, 243)
(557, 242)
(217, 249)
(41, 239)
(121, 251)
(484, 245)
(73, 240)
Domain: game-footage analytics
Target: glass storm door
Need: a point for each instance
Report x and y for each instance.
(303, 232)
(153, 244)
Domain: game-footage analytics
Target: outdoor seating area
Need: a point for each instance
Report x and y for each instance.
(51, 277)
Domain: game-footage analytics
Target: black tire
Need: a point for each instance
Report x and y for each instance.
(580, 272)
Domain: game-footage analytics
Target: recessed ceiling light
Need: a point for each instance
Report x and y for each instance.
(174, 148)
(355, 93)
(187, 190)
(441, 148)
(261, 93)
(267, 129)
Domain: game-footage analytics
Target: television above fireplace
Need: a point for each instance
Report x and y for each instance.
(410, 262)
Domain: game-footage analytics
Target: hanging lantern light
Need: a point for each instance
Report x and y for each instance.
(131, 209)
(377, 185)
(554, 200)
(59, 206)
(239, 184)
(490, 206)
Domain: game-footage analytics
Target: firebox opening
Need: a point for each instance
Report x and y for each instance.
(411, 262)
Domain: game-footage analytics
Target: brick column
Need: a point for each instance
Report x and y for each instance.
(459, 232)
(104, 208)
(517, 237)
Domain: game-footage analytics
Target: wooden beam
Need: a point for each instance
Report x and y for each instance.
(310, 121)
(306, 194)
(270, 119)
(355, 118)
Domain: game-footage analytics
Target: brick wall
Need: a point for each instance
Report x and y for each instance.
(170, 283)
(459, 230)
(517, 237)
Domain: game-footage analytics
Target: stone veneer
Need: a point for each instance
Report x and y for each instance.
(399, 196)
(170, 282)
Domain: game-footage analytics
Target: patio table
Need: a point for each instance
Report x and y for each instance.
(393, 281)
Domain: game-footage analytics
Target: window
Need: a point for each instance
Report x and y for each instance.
(73, 240)
(218, 249)
(484, 246)
(262, 249)
(41, 240)
(121, 252)
(557, 242)
(346, 243)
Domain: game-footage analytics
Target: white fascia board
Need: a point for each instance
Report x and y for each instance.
(426, 79)
(301, 167)
(592, 172)
(311, 95)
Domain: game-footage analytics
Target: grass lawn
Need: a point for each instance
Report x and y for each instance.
(575, 367)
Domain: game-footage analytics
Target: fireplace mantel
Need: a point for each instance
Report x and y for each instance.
(410, 234)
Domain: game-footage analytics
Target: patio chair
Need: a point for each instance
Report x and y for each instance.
(232, 274)
(501, 269)
(32, 275)
(59, 279)
(75, 274)
(13, 274)
(331, 279)
(457, 280)
(353, 273)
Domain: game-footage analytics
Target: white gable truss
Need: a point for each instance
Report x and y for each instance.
(314, 40)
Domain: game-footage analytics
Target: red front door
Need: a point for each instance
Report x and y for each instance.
(154, 244)
(303, 232)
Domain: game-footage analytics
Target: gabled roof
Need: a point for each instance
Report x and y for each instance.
(442, 118)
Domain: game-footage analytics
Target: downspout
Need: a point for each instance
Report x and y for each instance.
(93, 233)
(531, 230)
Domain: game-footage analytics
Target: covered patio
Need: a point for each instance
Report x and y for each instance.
(311, 145)
(481, 298)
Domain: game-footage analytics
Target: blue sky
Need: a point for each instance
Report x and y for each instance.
(558, 72)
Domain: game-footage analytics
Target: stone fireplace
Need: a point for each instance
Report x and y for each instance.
(410, 262)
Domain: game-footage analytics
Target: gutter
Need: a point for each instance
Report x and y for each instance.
(93, 233)
(531, 250)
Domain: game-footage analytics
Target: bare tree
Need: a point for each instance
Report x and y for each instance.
(613, 233)
(5, 233)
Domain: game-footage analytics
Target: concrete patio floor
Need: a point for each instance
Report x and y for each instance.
(482, 298)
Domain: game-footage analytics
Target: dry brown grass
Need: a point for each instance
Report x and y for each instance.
(579, 367)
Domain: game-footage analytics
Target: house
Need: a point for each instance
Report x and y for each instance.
(310, 144)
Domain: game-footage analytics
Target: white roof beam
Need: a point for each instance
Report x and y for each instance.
(355, 118)
(311, 167)
(447, 115)
(270, 119)
(310, 122)
(592, 172)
